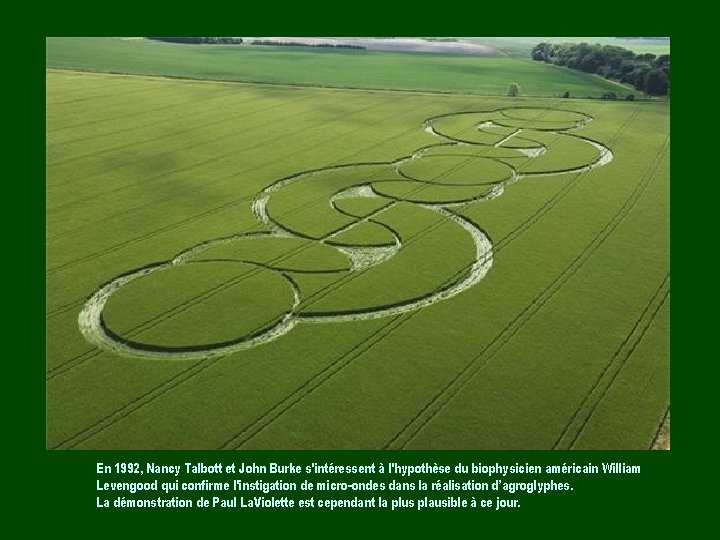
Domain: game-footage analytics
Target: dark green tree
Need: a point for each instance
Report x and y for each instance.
(656, 83)
(645, 71)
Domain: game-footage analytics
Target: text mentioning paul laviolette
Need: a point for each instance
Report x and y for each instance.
(386, 486)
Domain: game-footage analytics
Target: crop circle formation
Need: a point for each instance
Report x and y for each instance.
(348, 224)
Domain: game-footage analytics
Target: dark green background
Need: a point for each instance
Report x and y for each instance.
(54, 491)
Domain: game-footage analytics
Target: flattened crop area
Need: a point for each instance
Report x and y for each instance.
(239, 266)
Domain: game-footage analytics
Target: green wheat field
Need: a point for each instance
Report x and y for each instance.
(349, 256)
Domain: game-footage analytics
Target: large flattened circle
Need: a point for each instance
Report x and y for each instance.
(197, 306)
(464, 170)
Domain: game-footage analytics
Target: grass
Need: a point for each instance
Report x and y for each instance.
(530, 357)
(360, 206)
(408, 190)
(292, 254)
(562, 152)
(202, 303)
(364, 234)
(456, 170)
(338, 68)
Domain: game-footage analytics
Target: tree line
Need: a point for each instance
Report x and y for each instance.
(238, 41)
(646, 72)
(200, 40)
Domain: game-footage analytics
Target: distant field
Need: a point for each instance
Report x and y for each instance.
(521, 46)
(166, 200)
(320, 67)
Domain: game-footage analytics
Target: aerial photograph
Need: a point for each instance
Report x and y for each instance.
(360, 243)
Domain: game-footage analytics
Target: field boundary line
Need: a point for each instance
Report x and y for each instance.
(93, 97)
(270, 84)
